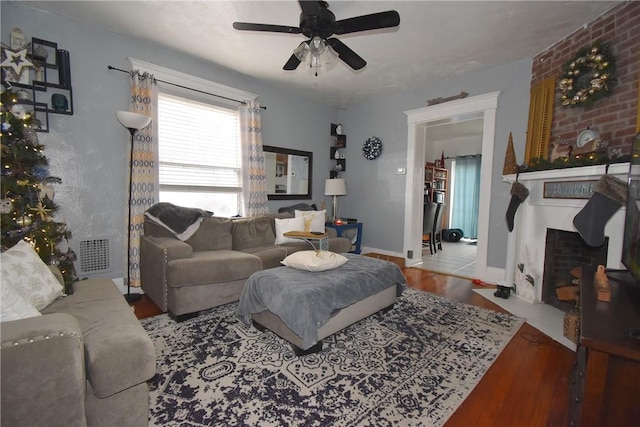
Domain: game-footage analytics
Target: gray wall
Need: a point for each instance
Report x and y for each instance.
(89, 149)
(375, 193)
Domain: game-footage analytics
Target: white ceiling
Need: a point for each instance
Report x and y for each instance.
(434, 39)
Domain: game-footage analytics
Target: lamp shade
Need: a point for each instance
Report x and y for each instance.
(335, 187)
(132, 120)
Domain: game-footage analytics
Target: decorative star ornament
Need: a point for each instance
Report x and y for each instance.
(16, 60)
(41, 210)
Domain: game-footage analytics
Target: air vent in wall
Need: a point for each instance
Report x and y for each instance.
(94, 256)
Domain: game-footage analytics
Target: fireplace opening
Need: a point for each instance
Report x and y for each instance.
(565, 253)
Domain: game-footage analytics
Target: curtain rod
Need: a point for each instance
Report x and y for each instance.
(110, 67)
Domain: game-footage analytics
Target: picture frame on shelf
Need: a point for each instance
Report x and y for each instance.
(341, 141)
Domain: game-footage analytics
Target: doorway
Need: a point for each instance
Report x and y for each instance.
(459, 141)
(418, 120)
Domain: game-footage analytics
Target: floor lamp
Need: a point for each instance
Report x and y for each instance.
(335, 187)
(133, 122)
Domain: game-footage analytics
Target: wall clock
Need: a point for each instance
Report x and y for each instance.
(586, 136)
(372, 148)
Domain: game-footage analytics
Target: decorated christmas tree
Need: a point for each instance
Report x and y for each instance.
(26, 201)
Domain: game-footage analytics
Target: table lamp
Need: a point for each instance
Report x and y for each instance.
(335, 187)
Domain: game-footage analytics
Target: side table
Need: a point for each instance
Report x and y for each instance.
(340, 229)
(322, 239)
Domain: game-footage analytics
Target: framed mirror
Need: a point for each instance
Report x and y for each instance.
(289, 173)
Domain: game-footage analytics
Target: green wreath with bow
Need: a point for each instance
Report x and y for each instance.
(588, 77)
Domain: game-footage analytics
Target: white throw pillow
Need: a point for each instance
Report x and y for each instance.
(29, 276)
(13, 306)
(288, 224)
(317, 219)
(314, 260)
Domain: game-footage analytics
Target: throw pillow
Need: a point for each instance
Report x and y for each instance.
(29, 276)
(13, 306)
(288, 224)
(315, 220)
(314, 260)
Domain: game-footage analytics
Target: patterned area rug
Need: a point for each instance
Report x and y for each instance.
(412, 365)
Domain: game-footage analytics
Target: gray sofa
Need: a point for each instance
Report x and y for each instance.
(212, 266)
(84, 362)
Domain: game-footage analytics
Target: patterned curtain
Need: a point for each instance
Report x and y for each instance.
(254, 175)
(144, 178)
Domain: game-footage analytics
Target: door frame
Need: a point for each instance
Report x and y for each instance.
(417, 121)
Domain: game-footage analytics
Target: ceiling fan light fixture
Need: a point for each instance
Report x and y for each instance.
(331, 55)
(317, 46)
(315, 62)
(301, 51)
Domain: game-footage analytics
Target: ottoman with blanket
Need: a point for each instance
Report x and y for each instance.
(303, 307)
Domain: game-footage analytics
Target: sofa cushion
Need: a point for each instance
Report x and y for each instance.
(23, 270)
(252, 232)
(13, 306)
(214, 234)
(209, 267)
(118, 352)
(270, 255)
(317, 218)
(285, 225)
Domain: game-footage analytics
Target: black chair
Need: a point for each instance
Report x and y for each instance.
(430, 212)
(437, 227)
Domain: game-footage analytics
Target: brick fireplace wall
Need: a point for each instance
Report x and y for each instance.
(614, 116)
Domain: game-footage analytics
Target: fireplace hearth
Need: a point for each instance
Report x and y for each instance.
(526, 246)
(564, 251)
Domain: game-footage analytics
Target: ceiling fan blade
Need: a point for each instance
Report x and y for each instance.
(387, 19)
(247, 26)
(310, 8)
(291, 64)
(351, 58)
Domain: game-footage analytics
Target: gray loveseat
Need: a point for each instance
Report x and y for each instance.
(84, 362)
(212, 266)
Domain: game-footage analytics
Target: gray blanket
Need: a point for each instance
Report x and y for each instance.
(306, 300)
(181, 221)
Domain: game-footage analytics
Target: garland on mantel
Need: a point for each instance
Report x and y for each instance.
(592, 159)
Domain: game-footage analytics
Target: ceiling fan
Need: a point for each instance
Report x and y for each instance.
(318, 23)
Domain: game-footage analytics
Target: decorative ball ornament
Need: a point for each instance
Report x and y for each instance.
(588, 77)
(6, 206)
(372, 148)
(19, 111)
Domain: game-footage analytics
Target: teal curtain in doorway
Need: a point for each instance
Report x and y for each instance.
(466, 195)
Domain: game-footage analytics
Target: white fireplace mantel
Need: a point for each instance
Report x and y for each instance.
(526, 243)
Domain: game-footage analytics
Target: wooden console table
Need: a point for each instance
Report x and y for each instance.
(605, 386)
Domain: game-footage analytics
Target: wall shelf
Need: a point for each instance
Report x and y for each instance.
(47, 83)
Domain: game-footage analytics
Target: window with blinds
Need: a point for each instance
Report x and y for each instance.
(199, 155)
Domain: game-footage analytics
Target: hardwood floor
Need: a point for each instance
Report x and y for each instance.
(528, 385)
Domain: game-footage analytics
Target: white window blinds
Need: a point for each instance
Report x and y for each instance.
(199, 153)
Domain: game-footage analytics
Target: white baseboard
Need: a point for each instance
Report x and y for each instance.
(367, 249)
